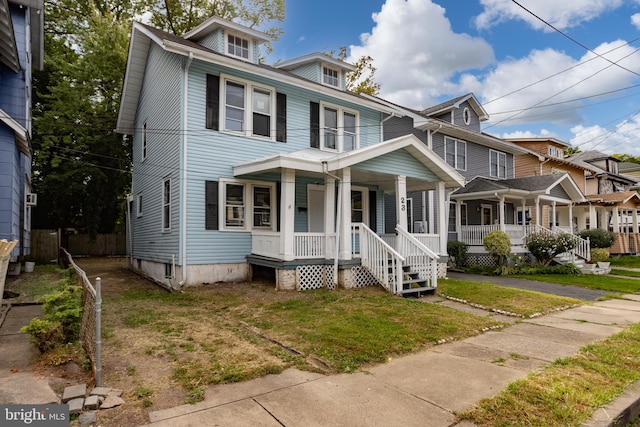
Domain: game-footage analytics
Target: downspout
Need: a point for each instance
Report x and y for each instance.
(325, 169)
(185, 127)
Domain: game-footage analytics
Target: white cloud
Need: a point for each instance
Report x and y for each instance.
(635, 20)
(623, 139)
(564, 94)
(528, 134)
(417, 53)
(560, 14)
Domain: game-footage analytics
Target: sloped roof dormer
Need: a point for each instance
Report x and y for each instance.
(228, 38)
(453, 104)
(320, 68)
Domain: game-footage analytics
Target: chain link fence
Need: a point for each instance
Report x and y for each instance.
(90, 328)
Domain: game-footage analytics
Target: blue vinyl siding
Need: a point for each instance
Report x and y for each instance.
(312, 71)
(458, 119)
(159, 106)
(399, 163)
(214, 41)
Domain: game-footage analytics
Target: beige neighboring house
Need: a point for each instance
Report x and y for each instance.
(611, 204)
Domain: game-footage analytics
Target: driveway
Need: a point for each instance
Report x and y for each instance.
(577, 292)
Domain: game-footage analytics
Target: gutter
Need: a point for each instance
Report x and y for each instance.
(185, 138)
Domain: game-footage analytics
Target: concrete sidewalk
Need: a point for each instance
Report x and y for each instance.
(424, 389)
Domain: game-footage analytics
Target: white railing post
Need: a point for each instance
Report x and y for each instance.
(98, 332)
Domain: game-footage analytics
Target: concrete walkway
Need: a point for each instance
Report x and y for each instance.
(424, 389)
(16, 354)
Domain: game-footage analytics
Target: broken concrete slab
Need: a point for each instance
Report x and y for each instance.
(74, 392)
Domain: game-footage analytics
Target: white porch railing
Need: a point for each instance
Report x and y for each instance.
(305, 245)
(382, 261)
(421, 259)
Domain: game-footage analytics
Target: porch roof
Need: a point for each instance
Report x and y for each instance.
(520, 188)
(618, 198)
(315, 161)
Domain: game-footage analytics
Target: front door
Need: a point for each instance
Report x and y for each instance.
(486, 214)
(315, 209)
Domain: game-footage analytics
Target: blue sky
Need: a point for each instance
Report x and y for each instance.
(428, 51)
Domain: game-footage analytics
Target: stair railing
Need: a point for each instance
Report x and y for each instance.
(382, 261)
(421, 259)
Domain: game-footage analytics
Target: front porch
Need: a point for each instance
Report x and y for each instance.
(331, 206)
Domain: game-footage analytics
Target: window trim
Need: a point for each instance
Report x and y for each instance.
(464, 217)
(364, 191)
(337, 76)
(455, 153)
(139, 205)
(248, 194)
(341, 111)
(144, 141)
(240, 36)
(248, 113)
(498, 155)
(166, 204)
(466, 116)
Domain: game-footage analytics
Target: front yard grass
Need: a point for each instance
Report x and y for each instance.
(496, 297)
(626, 261)
(628, 273)
(567, 392)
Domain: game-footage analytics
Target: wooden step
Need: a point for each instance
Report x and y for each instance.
(418, 292)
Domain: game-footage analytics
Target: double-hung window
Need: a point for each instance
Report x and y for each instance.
(248, 109)
(455, 153)
(247, 205)
(498, 164)
(339, 129)
(237, 46)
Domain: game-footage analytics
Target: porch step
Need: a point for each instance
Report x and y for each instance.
(418, 291)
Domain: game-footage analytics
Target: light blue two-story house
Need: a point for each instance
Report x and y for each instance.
(21, 50)
(242, 169)
(492, 197)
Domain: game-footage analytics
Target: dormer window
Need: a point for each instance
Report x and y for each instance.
(330, 76)
(237, 46)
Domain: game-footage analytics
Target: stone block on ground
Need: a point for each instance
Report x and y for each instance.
(100, 391)
(111, 402)
(115, 392)
(75, 405)
(87, 418)
(74, 392)
(92, 402)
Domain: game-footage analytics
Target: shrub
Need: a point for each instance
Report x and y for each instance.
(599, 255)
(62, 317)
(545, 246)
(548, 269)
(498, 244)
(458, 252)
(598, 238)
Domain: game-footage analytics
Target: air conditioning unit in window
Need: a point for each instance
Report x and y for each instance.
(32, 199)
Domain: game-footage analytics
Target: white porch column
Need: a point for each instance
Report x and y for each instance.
(616, 220)
(634, 215)
(443, 230)
(571, 217)
(401, 201)
(459, 219)
(501, 213)
(553, 215)
(593, 217)
(287, 216)
(538, 218)
(345, 220)
(329, 216)
(431, 220)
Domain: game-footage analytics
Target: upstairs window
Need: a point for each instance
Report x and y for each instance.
(455, 153)
(246, 108)
(144, 140)
(498, 164)
(330, 76)
(338, 129)
(238, 46)
(166, 205)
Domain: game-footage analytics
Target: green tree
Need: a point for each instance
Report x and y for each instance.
(362, 79)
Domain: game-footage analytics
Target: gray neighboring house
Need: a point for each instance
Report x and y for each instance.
(492, 199)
